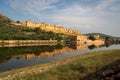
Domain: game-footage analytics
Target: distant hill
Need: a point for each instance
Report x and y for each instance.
(103, 35)
(9, 31)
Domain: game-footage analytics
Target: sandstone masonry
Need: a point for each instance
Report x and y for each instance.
(48, 27)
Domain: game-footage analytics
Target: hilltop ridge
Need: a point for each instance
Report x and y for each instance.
(48, 27)
(4, 17)
(10, 31)
(103, 35)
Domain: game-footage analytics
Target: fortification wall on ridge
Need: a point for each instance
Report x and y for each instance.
(48, 27)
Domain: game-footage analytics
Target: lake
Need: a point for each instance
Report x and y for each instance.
(19, 57)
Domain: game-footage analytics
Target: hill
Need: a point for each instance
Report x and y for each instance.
(9, 31)
(103, 36)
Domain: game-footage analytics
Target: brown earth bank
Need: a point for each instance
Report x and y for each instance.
(109, 72)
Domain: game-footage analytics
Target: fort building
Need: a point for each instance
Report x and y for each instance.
(96, 36)
(76, 40)
(48, 27)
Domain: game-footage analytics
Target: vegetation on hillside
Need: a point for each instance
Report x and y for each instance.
(9, 31)
(103, 36)
(91, 37)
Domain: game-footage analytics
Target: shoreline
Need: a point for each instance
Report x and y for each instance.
(9, 75)
(20, 43)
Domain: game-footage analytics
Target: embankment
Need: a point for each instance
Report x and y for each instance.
(74, 68)
(14, 43)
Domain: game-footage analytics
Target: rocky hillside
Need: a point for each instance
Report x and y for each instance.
(9, 31)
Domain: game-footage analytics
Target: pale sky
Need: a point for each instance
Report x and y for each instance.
(86, 16)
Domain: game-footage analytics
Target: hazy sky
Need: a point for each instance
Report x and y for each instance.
(86, 16)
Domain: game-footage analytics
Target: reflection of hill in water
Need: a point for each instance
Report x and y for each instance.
(38, 51)
(45, 54)
(82, 46)
(8, 53)
(56, 51)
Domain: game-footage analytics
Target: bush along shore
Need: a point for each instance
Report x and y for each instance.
(89, 66)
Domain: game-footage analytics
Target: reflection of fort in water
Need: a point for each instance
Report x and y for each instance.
(55, 52)
(44, 54)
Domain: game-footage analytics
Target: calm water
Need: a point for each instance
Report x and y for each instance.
(18, 57)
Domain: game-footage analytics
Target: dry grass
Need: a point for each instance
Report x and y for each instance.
(74, 68)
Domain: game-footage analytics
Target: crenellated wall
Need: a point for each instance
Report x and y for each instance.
(48, 27)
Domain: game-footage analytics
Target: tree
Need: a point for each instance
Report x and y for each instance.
(18, 21)
(91, 37)
(37, 30)
(107, 38)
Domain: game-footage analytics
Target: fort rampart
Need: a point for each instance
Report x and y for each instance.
(48, 27)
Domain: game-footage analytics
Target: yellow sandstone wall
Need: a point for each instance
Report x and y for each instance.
(48, 27)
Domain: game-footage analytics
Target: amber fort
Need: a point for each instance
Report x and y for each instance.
(75, 38)
(48, 27)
